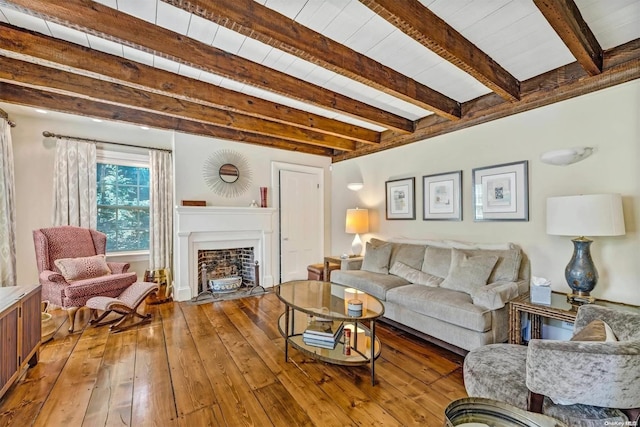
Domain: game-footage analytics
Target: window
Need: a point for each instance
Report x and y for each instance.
(123, 201)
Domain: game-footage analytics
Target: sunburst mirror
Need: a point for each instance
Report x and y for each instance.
(227, 173)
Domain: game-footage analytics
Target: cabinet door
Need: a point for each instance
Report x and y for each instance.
(8, 347)
(31, 325)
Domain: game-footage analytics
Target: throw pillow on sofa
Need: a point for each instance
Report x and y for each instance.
(467, 273)
(507, 269)
(413, 275)
(376, 258)
(597, 330)
(83, 267)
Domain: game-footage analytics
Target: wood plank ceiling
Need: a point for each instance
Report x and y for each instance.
(338, 78)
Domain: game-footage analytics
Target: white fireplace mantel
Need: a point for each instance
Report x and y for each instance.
(209, 228)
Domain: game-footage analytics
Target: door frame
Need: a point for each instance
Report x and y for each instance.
(276, 167)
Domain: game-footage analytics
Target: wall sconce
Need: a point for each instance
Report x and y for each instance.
(355, 186)
(566, 156)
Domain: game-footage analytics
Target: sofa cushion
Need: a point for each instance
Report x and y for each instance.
(508, 266)
(375, 284)
(446, 305)
(376, 258)
(414, 275)
(468, 273)
(408, 254)
(82, 267)
(437, 261)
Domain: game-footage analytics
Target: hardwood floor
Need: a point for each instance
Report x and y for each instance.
(222, 364)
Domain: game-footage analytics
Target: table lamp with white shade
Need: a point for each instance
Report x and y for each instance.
(584, 215)
(357, 223)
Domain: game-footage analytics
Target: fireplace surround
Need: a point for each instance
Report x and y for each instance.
(213, 228)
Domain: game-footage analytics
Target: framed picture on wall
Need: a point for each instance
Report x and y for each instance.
(501, 192)
(401, 199)
(442, 199)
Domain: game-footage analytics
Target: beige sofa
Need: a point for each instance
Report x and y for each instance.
(454, 293)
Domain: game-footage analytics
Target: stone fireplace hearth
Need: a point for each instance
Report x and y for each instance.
(218, 228)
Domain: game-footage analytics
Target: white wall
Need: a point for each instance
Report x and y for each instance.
(607, 120)
(191, 153)
(34, 157)
(34, 161)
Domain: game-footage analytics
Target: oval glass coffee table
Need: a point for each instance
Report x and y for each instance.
(311, 301)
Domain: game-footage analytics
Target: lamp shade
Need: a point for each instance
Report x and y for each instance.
(357, 221)
(585, 215)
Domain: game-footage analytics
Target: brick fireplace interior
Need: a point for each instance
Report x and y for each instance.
(223, 263)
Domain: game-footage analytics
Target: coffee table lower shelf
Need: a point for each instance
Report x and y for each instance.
(359, 347)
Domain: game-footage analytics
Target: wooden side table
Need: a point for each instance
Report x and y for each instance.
(559, 309)
(335, 259)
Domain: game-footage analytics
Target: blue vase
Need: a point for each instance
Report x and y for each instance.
(581, 273)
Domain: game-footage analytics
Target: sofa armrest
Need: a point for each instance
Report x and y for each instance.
(495, 295)
(118, 267)
(51, 276)
(589, 373)
(351, 263)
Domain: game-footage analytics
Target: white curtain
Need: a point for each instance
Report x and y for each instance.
(160, 210)
(74, 184)
(7, 209)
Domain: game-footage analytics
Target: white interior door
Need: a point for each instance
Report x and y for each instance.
(300, 223)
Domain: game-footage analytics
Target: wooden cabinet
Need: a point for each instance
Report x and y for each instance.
(20, 327)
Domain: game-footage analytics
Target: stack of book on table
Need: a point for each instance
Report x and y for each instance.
(323, 334)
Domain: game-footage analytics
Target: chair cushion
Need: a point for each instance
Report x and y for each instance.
(376, 258)
(111, 285)
(496, 371)
(82, 267)
(68, 242)
(467, 273)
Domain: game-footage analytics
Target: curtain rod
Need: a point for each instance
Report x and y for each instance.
(48, 134)
(5, 116)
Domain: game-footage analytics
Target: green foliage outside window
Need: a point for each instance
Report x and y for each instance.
(123, 206)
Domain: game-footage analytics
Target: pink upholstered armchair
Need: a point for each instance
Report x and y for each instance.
(73, 268)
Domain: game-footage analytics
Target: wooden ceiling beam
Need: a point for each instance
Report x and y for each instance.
(424, 26)
(78, 106)
(105, 22)
(621, 65)
(565, 18)
(51, 79)
(29, 45)
(268, 26)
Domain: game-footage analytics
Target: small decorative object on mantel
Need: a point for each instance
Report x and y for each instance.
(253, 204)
(227, 173)
(263, 197)
(194, 203)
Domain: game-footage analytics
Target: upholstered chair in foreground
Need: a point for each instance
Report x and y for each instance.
(72, 267)
(588, 381)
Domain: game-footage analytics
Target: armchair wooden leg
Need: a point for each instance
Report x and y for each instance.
(534, 402)
(71, 312)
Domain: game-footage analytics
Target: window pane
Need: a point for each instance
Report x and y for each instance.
(123, 206)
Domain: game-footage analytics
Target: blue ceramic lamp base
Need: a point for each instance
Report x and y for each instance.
(581, 273)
